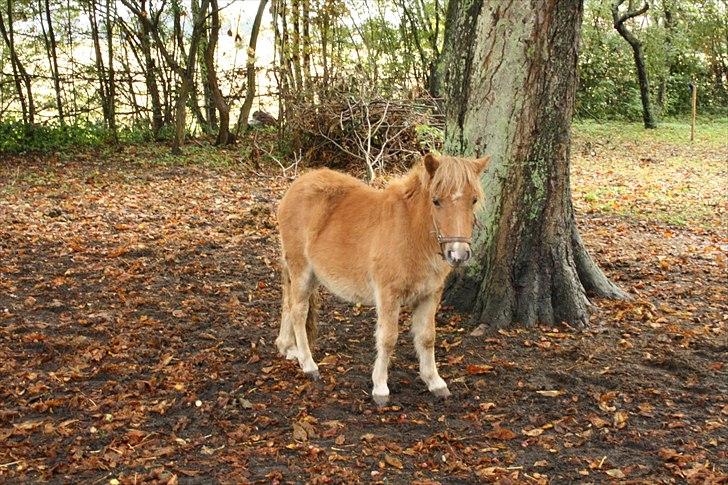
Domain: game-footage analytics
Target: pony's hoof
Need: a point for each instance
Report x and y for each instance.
(313, 375)
(442, 392)
(380, 401)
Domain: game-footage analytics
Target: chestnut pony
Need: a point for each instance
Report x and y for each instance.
(390, 248)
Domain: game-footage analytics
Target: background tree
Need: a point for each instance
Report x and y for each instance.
(514, 100)
(620, 20)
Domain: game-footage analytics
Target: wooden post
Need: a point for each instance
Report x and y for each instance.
(694, 93)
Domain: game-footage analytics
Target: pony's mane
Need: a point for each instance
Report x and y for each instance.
(453, 175)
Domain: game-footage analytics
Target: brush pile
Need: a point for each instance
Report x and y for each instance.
(344, 131)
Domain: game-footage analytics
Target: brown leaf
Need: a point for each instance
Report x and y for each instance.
(598, 422)
(501, 434)
(474, 369)
(620, 419)
(615, 473)
(299, 432)
(393, 461)
(533, 432)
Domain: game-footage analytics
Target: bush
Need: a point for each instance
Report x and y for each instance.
(15, 137)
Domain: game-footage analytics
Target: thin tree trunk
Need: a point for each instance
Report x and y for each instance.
(223, 134)
(100, 68)
(639, 57)
(150, 77)
(242, 124)
(530, 265)
(111, 78)
(53, 58)
(185, 74)
(20, 75)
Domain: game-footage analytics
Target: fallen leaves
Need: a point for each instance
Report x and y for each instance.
(164, 293)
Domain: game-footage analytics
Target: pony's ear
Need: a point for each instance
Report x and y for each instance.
(431, 164)
(481, 163)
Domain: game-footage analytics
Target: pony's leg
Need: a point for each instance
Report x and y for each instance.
(386, 337)
(302, 285)
(286, 341)
(423, 333)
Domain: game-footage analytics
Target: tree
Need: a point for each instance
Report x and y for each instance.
(620, 20)
(20, 75)
(242, 124)
(184, 73)
(223, 133)
(510, 72)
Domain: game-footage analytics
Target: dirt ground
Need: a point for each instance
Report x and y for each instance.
(139, 303)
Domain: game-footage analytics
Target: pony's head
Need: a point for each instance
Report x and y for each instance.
(454, 189)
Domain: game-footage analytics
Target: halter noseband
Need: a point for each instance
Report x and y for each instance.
(442, 240)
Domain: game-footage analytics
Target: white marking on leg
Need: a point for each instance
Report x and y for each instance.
(386, 339)
(423, 332)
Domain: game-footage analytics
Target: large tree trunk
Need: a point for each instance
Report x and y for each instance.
(510, 71)
(639, 57)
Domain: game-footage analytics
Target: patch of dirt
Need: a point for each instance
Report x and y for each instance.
(138, 310)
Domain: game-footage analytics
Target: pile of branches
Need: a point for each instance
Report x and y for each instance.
(348, 131)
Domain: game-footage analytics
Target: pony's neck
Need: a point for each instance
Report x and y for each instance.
(412, 188)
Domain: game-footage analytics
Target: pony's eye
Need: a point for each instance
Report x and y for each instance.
(436, 202)
(475, 200)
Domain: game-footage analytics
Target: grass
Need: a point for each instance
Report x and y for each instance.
(626, 170)
(711, 132)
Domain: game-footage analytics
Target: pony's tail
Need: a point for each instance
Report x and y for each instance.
(314, 303)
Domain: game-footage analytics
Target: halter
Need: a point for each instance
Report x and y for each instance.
(442, 240)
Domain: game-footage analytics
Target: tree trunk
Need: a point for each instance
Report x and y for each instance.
(150, 78)
(639, 57)
(53, 54)
(510, 71)
(223, 133)
(185, 74)
(242, 124)
(111, 77)
(106, 102)
(20, 75)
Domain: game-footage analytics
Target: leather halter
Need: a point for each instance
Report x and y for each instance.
(442, 240)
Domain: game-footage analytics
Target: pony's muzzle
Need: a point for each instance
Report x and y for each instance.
(457, 253)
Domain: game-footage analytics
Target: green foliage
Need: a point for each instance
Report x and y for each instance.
(18, 138)
(430, 138)
(684, 41)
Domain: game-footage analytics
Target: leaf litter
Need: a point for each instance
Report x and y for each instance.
(138, 309)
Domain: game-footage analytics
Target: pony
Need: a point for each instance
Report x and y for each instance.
(389, 248)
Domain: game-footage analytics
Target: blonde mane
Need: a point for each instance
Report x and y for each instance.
(452, 176)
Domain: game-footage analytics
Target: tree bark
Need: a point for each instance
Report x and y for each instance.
(107, 102)
(510, 71)
(639, 57)
(223, 133)
(244, 116)
(150, 78)
(111, 77)
(20, 75)
(53, 57)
